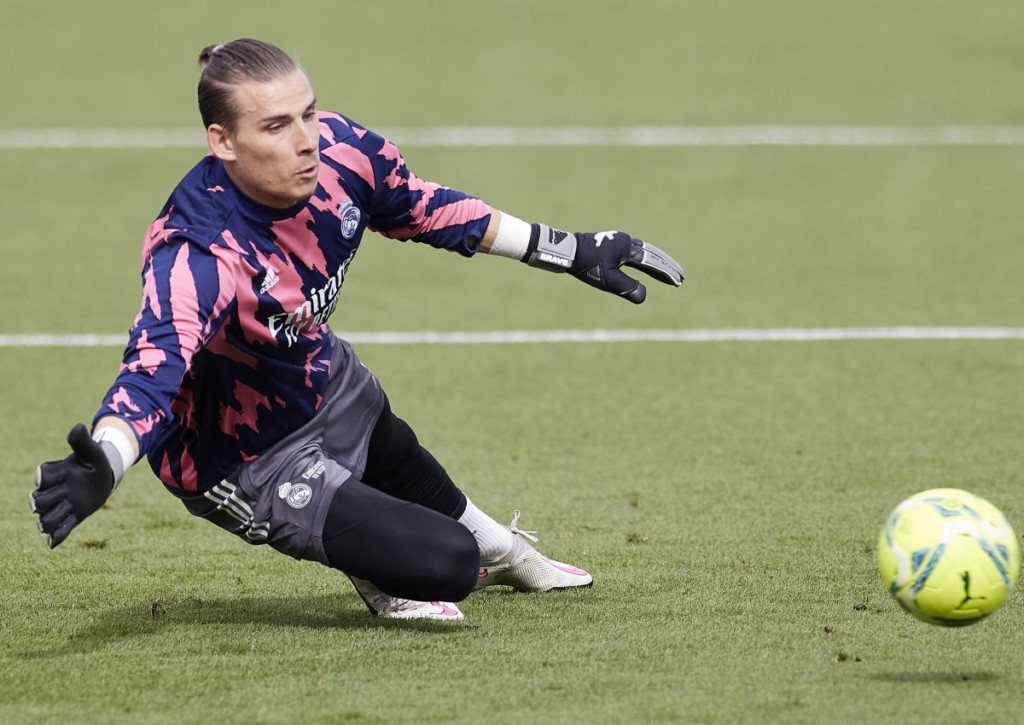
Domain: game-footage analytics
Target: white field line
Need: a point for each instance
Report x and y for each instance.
(513, 337)
(498, 136)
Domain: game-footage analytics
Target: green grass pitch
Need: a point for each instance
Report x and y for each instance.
(726, 496)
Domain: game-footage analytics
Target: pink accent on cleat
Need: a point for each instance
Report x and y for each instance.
(447, 610)
(386, 606)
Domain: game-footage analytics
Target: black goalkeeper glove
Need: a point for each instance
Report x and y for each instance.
(597, 259)
(70, 490)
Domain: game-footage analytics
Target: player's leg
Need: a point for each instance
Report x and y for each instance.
(397, 464)
(408, 551)
(363, 434)
(404, 560)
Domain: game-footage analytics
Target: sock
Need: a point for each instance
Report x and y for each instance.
(493, 539)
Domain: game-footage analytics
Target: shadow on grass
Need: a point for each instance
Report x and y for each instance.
(323, 612)
(934, 677)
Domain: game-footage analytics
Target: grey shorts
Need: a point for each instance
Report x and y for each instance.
(282, 497)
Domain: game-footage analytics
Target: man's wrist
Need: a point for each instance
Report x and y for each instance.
(537, 245)
(119, 450)
(512, 239)
(551, 249)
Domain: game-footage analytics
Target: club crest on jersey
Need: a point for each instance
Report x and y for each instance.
(350, 215)
(296, 495)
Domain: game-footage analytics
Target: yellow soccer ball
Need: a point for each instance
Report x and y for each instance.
(948, 557)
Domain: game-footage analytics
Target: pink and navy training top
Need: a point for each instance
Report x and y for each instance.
(231, 351)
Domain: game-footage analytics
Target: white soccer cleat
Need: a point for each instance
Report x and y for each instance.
(386, 606)
(527, 570)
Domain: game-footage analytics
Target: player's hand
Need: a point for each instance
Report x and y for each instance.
(70, 490)
(597, 259)
(601, 256)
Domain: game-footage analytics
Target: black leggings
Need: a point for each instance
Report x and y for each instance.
(398, 526)
(398, 465)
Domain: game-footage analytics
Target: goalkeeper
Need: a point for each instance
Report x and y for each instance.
(247, 406)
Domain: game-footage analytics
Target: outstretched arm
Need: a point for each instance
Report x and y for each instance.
(594, 258)
(403, 206)
(179, 312)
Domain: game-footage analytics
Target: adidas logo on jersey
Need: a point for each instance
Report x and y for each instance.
(269, 280)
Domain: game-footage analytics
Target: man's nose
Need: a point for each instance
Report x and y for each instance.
(306, 138)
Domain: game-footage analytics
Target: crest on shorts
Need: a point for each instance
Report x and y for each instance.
(295, 495)
(350, 216)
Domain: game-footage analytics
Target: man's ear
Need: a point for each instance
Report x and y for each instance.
(221, 144)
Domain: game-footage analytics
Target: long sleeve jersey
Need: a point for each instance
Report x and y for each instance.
(231, 351)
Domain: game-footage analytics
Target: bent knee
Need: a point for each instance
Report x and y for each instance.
(462, 567)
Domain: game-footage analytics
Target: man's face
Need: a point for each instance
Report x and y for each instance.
(273, 152)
